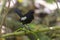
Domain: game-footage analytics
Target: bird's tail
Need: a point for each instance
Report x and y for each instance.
(18, 11)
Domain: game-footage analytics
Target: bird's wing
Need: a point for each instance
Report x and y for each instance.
(24, 18)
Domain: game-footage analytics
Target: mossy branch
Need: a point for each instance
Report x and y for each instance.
(39, 30)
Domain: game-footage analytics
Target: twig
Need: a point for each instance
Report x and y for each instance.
(4, 17)
(57, 6)
(3, 5)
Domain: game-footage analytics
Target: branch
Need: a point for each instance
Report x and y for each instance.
(27, 32)
(4, 16)
(2, 8)
(3, 5)
(57, 6)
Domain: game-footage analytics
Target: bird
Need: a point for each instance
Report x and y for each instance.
(27, 18)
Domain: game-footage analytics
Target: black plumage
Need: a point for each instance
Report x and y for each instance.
(27, 18)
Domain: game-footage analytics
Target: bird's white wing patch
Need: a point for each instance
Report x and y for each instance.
(24, 18)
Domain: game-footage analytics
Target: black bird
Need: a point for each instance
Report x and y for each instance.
(27, 18)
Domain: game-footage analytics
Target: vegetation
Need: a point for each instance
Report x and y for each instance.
(40, 31)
